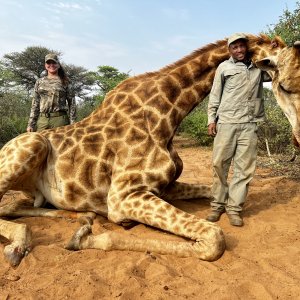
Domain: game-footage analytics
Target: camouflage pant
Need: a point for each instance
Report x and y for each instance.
(52, 122)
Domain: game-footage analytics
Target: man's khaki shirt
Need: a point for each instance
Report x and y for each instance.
(236, 94)
(50, 95)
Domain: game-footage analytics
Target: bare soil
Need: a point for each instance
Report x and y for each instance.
(261, 260)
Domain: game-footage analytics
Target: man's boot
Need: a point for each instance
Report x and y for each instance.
(235, 220)
(214, 216)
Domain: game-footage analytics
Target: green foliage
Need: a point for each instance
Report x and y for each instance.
(86, 107)
(276, 130)
(108, 77)
(14, 113)
(81, 79)
(195, 125)
(288, 27)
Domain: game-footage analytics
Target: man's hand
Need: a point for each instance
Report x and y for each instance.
(212, 129)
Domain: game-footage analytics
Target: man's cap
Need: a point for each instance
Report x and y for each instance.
(51, 56)
(235, 37)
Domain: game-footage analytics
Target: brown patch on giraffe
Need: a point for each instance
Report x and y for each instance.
(175, 117)
(158, 159)
(147, 90)
(92, 144)
(144, 149)
(103, 116)
(147, 206)
(152, 119)
(162, 210)
(137, 203)
(130, 105)
(108, 157)
(171, 89)
(57, 139)
(87, 174)
(74, 193)
(128, 85)
(66, 145)
(91, 129)
(155, 179)
(160, 104)
(183, 76)
(127, 205)
(187, 98)
(78, 134)
(164, 130)
(117, 127)
(65, 166)
(135, 136)
(118, 98)
(98, 197)
(136, 164)
(129, 180)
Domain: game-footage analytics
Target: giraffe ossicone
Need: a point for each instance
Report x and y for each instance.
(120, 162)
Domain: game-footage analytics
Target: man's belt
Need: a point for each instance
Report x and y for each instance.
(53, 114)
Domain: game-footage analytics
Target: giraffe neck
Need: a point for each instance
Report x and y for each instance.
(164, 98)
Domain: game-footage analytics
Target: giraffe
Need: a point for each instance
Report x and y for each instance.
(120, 163)
(285, 72)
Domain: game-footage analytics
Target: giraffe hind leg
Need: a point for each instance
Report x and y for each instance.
(19, 160)
(184, 191)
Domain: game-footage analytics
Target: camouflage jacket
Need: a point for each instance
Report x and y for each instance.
(50, 96)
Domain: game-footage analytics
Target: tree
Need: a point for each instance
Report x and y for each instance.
(82, 80)
(108, 77)
(288, 27)
(27, 66)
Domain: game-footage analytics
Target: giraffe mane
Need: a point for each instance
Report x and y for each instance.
(259, 39)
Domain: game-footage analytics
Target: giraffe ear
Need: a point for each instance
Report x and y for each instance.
(296, 46)
(266, 64)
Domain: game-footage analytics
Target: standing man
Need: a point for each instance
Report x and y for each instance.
(235, 106)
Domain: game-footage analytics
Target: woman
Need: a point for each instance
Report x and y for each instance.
(53, 99)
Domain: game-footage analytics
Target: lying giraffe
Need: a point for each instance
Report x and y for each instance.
(120, 162)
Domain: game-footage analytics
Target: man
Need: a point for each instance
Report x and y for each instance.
(235, 106)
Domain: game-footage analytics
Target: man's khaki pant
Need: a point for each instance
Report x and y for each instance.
(52, 122)
(237, 143)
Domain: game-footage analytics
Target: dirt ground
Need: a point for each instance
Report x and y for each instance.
(261, 261)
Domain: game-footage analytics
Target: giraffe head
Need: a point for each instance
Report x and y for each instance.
(284, 68)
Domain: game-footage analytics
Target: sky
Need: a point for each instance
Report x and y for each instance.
(134, 36)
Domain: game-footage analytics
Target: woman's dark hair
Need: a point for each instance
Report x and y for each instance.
(63, 76)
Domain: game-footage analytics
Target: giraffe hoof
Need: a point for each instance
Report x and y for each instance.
(82, 232)
(14, 253)
(86, 220)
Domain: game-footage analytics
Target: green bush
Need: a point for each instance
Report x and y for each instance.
(195, 125)
(14, 114)
(275, 131)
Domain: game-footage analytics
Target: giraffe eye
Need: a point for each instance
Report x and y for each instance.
(284, 89)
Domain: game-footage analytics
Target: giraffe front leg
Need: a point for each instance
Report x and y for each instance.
(185, 191)
(207, 239)
(20, 237)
